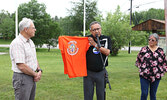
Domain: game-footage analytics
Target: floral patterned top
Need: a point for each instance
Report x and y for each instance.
(152, 65)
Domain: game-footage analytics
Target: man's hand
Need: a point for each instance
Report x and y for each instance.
(37, 77)
(91, 41)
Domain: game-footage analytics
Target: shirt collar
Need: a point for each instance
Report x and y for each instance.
(94, 38)
(23, 38)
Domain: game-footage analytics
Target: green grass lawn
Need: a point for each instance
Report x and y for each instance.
(54, 85)
(2, 41)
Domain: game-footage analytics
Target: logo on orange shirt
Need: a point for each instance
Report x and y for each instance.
(72, 48)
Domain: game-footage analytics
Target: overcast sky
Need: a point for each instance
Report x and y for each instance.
(59, 7)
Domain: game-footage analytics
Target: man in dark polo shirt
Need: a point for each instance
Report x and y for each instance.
(95, 68)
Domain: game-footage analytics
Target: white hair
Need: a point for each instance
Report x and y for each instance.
(94, 22)
(25, 23)
(155, 35)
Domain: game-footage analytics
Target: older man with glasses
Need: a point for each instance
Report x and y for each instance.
(24, 62)
(97, 53)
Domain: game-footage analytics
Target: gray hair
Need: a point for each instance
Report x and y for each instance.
(155, 35)
(24, 23)
(94, 22)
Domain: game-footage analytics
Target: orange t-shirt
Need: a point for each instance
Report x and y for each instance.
(73, 50)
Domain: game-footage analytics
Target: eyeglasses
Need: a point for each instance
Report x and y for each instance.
(96, 29)
(151, 40)
(31, 27)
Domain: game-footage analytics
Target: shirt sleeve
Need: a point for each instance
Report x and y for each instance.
(110, 44)
(138, 59)
(164, 61)
(18, 53)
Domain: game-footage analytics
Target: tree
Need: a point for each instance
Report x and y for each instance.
(117, 26)
(75, 24)
(66, 25)
(47, 28)
(139, 38)
(6, 25)
(152, 13)
(53, 28)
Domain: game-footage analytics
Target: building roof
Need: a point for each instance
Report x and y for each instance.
(150, 25)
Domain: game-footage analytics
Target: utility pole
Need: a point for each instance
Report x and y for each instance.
(16, 20)
(84, 19)
(129, 50)
(165, 7)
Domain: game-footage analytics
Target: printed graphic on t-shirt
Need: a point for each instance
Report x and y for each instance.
(72, 48)
(104, 43)
(95, 51)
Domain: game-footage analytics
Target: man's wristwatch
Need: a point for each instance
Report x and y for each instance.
(39, 70)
